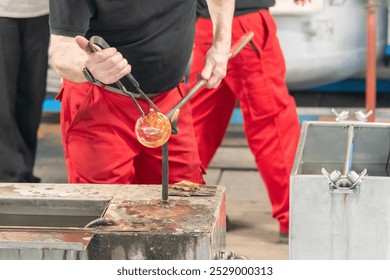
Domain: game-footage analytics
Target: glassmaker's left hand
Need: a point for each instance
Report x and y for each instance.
(215, 66)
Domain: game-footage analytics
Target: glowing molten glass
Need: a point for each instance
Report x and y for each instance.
(153, 129)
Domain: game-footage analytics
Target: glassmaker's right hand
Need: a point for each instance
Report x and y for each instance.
(107, 65)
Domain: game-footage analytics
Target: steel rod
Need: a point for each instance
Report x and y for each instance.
(349, 153)
(143, 94)
(186, 98)
(165, 173)
(125, 91)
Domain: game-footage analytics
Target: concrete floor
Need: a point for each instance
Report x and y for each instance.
(254, 233)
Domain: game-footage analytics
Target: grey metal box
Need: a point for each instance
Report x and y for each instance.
(340, 192)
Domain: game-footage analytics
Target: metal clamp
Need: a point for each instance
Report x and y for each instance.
(343, 116)
(363, 117)
(349, 183)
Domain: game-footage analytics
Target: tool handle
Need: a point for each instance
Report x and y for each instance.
(240, 43)
(99, 41)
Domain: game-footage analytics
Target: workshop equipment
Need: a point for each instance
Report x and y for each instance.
(339, 193)
(64, 221)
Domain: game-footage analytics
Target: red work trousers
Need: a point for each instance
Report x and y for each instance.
(255, 77)
(100, 144)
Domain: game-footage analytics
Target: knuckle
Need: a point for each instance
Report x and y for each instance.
(100, 55)
(119, 56)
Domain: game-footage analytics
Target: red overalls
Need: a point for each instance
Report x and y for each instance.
(100, 144)
(255, 77)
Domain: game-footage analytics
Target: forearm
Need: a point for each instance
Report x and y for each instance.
(221, 13)
(67, 58)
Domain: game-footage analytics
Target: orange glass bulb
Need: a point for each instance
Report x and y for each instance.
(153, 129)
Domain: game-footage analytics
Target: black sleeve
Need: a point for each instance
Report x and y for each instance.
(70, 17)
(202, 9)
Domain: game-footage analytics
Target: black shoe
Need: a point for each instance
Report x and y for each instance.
(33, 179)
(283, 237)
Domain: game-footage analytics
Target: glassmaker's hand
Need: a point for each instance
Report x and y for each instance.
(107, 65)
(215, 67)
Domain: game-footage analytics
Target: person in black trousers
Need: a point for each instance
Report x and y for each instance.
(24, 45)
